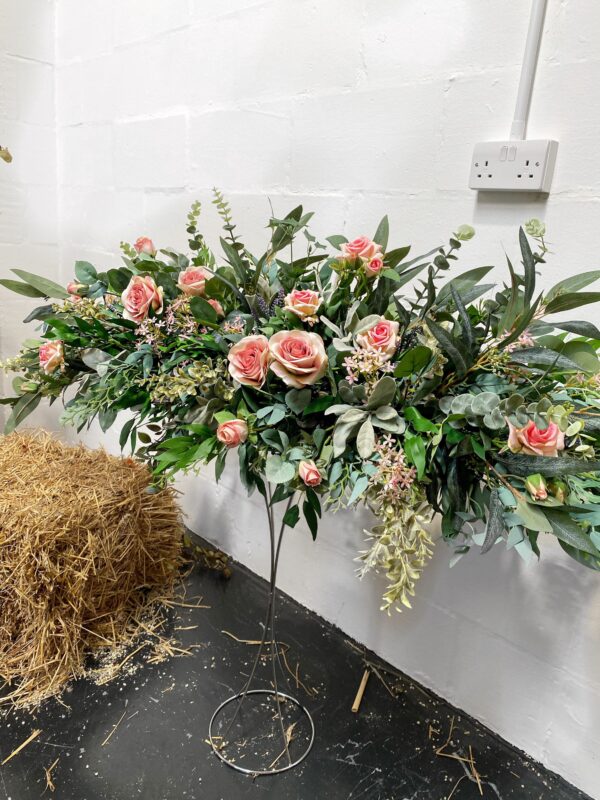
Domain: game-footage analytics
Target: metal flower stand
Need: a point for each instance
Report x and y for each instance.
(264, 731)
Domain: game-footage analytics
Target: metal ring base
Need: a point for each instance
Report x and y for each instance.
(270, 770)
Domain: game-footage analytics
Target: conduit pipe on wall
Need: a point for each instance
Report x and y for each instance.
(530, 59)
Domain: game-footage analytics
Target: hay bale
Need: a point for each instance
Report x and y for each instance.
(85, 549)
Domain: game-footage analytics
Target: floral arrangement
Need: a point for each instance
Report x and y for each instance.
(341, 372)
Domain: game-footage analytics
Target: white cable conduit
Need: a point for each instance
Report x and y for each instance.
(532, 49)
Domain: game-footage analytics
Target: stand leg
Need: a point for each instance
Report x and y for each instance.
(268, 641)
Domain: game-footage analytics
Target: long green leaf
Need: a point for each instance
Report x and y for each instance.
(529, 266)
(524, 465)
(21, 288)
(542, 356)
(382, 233)
(47, 287)
(580, 328)
(573, 284)
(462, 283)
(565, 302)
(570, 532)
(465, 320)
(453, 347)
(22, 409)
(495, 526)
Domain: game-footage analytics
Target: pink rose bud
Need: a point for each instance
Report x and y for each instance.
(309, 474)
(51, 356)
(534, 441)
(374, 267)
(303, 302)
(536, 486)
(249, 361)
(298, 357)
(192, 281)
(217, 307)
(232, 433)
(145, 245)
(141, 295)
(381, 337)
(363, 247)
(74, 288)
(559, 489)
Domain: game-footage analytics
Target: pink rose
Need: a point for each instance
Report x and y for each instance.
(374, 267)
(217, 307)
(381, 338)
(145, 245)
(534, 441)
(140, 296)
(303, 302)
(249, 360)
(74, 288)
(299, 357)
(52, 356)
(362, 247)
(191, 281)
(309, 474)
(232, 433)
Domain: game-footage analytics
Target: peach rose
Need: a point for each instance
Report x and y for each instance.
(217, 307)
(52, 356)
(362, 247)
(74, 288)
(374, 267)
(145, 245)
(303, 302)
(298, 357)
(232, 433)
(249, 360)
(191, 281)
(141, 295)
(309, 474)
(381, 338)
(534, 441)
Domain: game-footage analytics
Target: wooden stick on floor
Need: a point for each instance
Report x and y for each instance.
(361, 691)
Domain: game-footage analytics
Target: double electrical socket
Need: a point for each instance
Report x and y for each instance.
(513, 166)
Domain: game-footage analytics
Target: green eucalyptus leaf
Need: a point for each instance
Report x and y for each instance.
(22, 409)
(21, 288)
(47, 287)
(298, 400)
(279, 471)
(85, 272)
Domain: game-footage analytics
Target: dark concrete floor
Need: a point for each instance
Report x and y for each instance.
(158, 750)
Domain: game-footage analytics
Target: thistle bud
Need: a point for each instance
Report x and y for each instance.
(536, 486)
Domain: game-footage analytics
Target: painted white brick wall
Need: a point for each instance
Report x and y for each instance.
(28, 186)
(356, 108)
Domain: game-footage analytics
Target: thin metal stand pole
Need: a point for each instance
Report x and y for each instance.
(275, 550)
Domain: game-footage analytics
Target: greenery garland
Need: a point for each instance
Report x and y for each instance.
(341, 372)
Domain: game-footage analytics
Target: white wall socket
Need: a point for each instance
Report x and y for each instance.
(513, 166)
